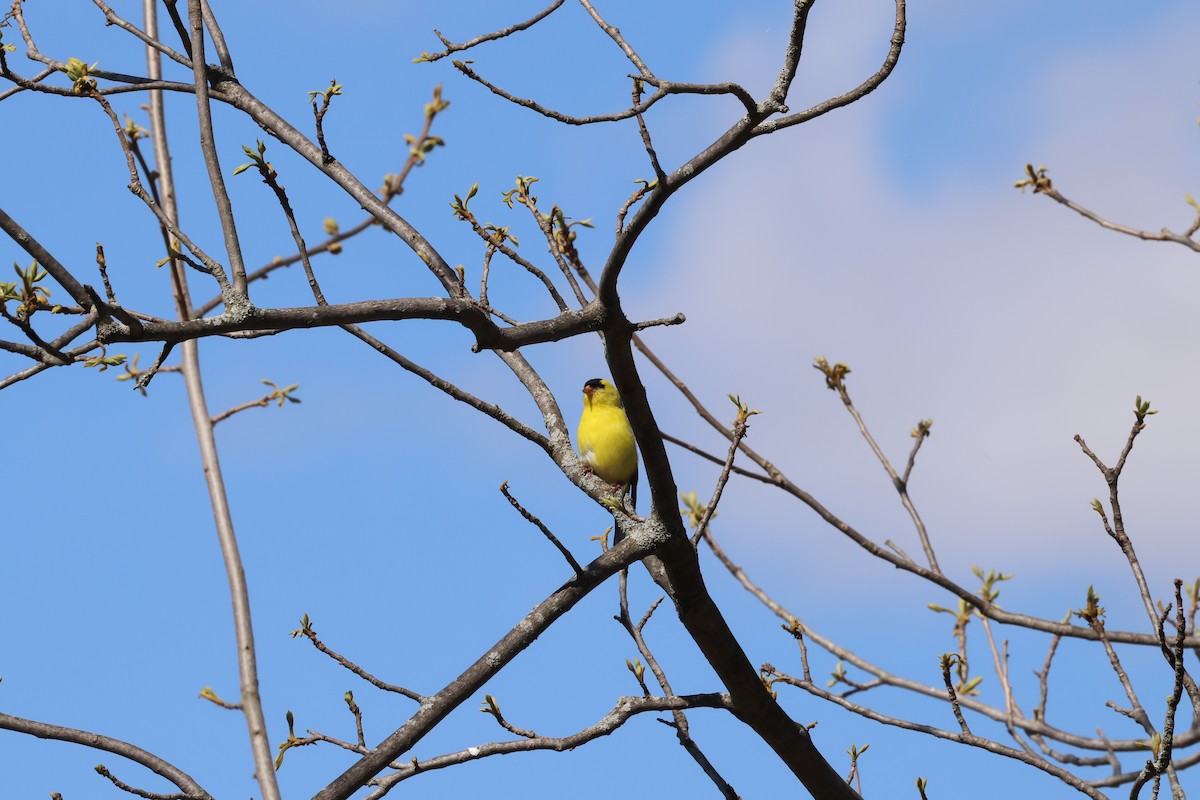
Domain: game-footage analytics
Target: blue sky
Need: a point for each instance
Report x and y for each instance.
(886, 235)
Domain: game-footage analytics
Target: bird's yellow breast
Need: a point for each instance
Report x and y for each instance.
(606, 441)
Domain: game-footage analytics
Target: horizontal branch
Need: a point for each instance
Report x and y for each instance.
(488, 336)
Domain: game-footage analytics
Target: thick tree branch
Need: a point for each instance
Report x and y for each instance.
(437, 706)
(466, 312)
(47, 261)
(752, 704)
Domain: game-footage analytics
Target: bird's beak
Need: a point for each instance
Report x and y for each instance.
(587, 390)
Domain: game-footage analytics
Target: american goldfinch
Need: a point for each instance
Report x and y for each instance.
(605, 438)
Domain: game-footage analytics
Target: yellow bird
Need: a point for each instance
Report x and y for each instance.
(605, 438)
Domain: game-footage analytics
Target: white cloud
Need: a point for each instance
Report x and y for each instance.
(1011, 321)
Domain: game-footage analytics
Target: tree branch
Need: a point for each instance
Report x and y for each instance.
(97, 741)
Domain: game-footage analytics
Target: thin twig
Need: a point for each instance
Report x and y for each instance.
(1062, 774)
(125, 787)
(740, 428)
(836, 381)
(212, 161)
(451, 47)
(679, 720)
(541, 527)
(307, 631)
(1163, 235)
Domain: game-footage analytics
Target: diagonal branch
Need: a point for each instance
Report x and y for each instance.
(437, 706)
(48, 262)
(452, 47)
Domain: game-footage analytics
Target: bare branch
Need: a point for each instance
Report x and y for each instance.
(679, 723)
(1036, 727)
(218, 38)
(279, 396)
(451, 47)
(250, 695)
(125, 787)
(307, 631)
(859, 92)
(740, 428)
(112, 18)
(963, 738)
(490, 706)
(626, 708)
(492, 410)
(835, 380)
(1112, 477)
(437, 706)
(541, 527)
(392, 188)
(616, 35)
(47, 261)
(159, 766)
(208, 147)
(1163, 235)
(714, 459)
(558, 116)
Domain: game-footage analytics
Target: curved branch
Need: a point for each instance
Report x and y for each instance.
(108, 744)
(1163, 235)
(625, 709)
(857, 93)
(558, 116)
